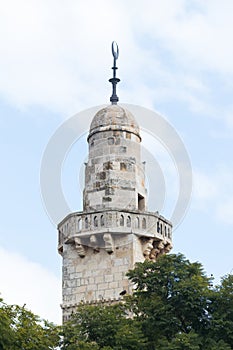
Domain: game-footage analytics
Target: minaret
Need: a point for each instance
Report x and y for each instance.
(115, 230)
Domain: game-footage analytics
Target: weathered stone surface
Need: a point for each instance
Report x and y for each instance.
(114, 230)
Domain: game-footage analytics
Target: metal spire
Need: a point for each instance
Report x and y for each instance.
(115, 52)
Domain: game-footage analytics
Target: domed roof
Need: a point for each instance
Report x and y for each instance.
(114, 117)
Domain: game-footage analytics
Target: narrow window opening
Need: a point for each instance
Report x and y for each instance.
(60, 237)
(144, 223)
(169, 233)
(86, 222)
(79, 225)
(95, 221)
(122, 220)
(137, 222)
(141, 202)
(123, 166)
(102, 220)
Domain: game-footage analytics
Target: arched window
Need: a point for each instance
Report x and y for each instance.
(169, 233)
(79, 225)
(143, 223)
(128, 221)
(137, 222)
(86, 222)
(60, 237)
(158, 230)
(121, 220)
(165, 231)
(95, 221)
(102, 220)
(161, 229)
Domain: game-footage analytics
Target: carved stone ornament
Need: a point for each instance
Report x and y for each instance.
(151, 248)
(109, 244)
(94, 243)
(80, 247)
(147, 246)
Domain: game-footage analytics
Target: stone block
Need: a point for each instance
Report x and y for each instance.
(78, 274)
(108, 294)
(83, 281)
(91, 280)
(99, 279)
(91, 287)
(118, 276)
(82, 289)
(87, 273)
(102, 286)
(125, 283)
(108, 278)
(113, 285)
(122, 149)
(118, 262)
(71, 283)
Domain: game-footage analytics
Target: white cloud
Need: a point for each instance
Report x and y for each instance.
(26, 282)
(197, 32)
(225, 210)
(52, 53)
(226, 134)
(205, 187)
(214, 192)
(58, 56)
(228, 116)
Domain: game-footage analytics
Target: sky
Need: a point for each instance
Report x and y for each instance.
(175, 58)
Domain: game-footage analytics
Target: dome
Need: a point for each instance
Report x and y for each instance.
(114, 117)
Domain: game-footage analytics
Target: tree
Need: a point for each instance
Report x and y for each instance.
(21, 329)
(103, 327)
(222, 311)
(6, 332)
(173, 307)
(171, 297)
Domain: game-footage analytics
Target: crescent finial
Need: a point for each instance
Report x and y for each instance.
(114, 80)
(115, 50)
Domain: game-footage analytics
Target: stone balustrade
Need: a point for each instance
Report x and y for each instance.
(86, 224)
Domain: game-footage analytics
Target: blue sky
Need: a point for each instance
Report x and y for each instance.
(176, 58)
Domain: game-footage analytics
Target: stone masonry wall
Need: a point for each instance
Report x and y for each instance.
(99, 276)
(97, 254)
(114, 173)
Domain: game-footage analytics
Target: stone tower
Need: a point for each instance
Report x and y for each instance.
(115, 230)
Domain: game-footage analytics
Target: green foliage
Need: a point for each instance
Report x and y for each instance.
(182, 341)
(222, 311)
(6, 332)
(106, 326)
(192, 341)
(21, 329)
(173, 307)
(171, 297)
